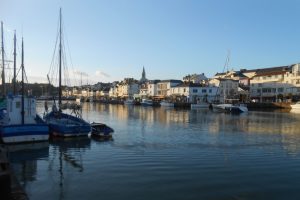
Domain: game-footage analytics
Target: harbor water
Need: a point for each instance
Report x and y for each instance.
(167, 153)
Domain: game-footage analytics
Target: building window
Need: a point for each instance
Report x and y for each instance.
(195, 90)
(258, 90)
(203, 90)
(184, 90)
(280, 89)
(264, 90)
(210, 90)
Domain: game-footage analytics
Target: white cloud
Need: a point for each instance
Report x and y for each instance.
(103, 74)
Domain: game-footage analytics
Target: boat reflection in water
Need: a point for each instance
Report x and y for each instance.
(24, 158)
(162, 153)
(67, 158)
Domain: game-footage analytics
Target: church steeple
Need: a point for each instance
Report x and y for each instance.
(143, 79)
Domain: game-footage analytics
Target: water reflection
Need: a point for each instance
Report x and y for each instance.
(24, 158)
(257, 121)
(160, 153)
(66, 157)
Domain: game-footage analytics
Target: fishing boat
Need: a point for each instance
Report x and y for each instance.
(24, 124)
(147, 102)
(64, 124)
(3, 103)
(101, 130)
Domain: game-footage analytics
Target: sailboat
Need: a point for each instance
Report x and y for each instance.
(229, 107)
(63, 124)
(24, 125)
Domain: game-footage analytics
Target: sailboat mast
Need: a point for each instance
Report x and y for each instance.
(3, 71)
(15, 63)
(60, 49)
(22, 66)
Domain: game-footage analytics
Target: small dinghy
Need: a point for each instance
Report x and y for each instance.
(101, 130)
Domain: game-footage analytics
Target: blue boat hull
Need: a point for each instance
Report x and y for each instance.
(65, 125)
(24, 133)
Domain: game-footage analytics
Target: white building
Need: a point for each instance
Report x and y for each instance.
(228, 89)
(164, 87)
(152, 88)
(271, 84)
(194, 92)
(196, 78)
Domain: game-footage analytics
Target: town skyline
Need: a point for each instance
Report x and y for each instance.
(109, 41)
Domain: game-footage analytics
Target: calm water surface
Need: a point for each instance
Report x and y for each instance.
(159, 153)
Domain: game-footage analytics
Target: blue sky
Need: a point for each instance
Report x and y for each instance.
(113, 39)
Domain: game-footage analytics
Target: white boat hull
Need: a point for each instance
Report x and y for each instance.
(230, 108)
(25, 138)
(24, 133)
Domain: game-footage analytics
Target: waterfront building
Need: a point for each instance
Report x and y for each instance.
(228, 89)
(194, 92)
(272, 84)
(143, 93)
(195, 78)
(293, 79)
(164, 86)
(124, 89)
(113, 91)
(152, 88)
(75, 91)
(103, 93)
(242, 76)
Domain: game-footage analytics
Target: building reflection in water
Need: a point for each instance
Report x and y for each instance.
(282, 125)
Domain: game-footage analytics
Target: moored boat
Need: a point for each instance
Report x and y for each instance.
(24, 124)
(101, 130)
(30, 128)
(166, 104)
(64, 124)
(129, 102)
(147, 102)
(230, 108)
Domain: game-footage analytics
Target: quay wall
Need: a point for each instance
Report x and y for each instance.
(10, 188)
(270, 105)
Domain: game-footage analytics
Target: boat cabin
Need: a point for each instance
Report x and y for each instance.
(14, 109)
